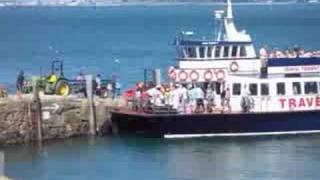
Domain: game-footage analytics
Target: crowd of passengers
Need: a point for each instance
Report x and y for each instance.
(182, 98)
(289, 53)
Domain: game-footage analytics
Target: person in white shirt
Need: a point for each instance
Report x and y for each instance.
(183, 94)
(199, 96)
(156, 96)
(263, 53)
(177, 97)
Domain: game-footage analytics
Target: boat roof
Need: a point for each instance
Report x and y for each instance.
(299, 61)
(211, 42)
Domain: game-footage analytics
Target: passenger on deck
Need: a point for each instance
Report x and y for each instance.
(136, 101)
(295, 52)
(156, 95)
(210, 96)
(222, 98)
(245, 102)
(166, 96)
(190, 104)
(175, 99)
(272, 55)
(199, 96)
(171, 94)
(183, 93)
(306, 54)
(263, 53)
(280, 54)
(179, 98)
(109, 90)
(225, 100)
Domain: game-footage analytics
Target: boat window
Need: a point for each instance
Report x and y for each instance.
(201, 51)
(243, 52)
(281, 89)
(236, 89)
(310, 87)
(264, 89)
(296, 88)
(234, 51)
(226, 51)
(209, 52)
(253, 89)
(185, 53)
(217, 52)
(191, 51)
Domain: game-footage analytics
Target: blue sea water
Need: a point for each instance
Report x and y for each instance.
(263, 158)
(90, 39)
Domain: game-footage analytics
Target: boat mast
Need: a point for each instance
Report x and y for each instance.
(230, 28)
(229, 10)
(231, 32)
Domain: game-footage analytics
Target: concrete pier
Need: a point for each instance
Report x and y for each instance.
(61, 117)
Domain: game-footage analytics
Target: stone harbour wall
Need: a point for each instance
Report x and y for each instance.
(15, 126)
(60, 118)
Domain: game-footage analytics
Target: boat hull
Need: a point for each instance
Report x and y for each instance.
(234, 124)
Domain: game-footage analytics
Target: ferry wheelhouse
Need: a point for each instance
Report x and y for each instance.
(268, 94)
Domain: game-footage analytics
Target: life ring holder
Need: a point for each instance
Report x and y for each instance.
(194, 75)
(183, 75)
(234, 66)
(208, 75)
(220, 74)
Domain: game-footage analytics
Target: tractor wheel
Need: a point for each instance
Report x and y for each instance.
(62, 88)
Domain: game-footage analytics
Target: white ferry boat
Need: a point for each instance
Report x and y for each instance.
(270, 94)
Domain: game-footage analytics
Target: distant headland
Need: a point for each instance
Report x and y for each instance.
(13, 3)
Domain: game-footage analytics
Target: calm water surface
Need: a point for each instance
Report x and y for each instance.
(90, 39)
(285, 157)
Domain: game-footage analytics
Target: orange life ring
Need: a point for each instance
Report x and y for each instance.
(194, 75)
(208, 75)
(234, 67)
(220, 75)
(183, 76)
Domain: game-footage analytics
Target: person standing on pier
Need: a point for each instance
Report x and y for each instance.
(19, 83)
(82, 83)
(98, 83)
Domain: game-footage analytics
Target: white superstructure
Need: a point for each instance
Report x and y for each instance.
(230, 61)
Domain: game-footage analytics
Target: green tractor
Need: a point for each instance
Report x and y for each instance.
(55, 83)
